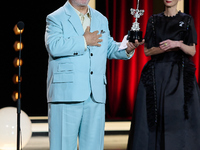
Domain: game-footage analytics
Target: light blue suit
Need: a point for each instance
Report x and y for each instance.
(73, 72)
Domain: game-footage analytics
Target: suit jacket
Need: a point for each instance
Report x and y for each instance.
(73, 72)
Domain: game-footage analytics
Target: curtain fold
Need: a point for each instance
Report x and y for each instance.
(123, 76)
(195, 12)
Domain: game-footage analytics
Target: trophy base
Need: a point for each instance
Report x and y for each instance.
(134, 35)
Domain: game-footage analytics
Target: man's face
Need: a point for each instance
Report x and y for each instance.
(80, 3)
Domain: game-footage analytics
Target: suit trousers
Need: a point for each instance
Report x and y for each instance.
(83, 120)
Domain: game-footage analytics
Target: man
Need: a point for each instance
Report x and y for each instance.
(78, 41)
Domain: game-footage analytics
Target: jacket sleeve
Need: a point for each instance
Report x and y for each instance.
(113, 47)
(58, 44)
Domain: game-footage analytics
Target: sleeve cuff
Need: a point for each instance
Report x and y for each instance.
(130, 54)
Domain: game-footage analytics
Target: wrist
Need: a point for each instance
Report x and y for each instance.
(178, 44)
(129, 51)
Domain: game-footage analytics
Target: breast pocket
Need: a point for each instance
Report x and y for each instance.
(65, 67)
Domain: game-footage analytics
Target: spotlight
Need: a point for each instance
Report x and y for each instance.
(15, 96)
(17, 63)
(16, 79)
(16, 30)
(17, 46)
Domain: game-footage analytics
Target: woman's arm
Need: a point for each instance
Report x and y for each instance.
(190, 50)
(171, 45)
(152, 51)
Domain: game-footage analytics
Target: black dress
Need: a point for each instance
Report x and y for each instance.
(167, 108)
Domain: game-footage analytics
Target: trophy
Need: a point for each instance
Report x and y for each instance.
(135, 33)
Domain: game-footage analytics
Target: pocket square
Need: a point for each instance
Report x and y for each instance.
(102, 32)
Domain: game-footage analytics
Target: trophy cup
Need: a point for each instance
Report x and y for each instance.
(135, 33)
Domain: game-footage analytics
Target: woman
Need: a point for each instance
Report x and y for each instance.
(167, 109)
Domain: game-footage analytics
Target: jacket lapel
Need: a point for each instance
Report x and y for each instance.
(73, 18)
(94, 20)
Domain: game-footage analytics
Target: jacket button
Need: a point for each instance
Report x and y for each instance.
(91, 54)
(91, 72)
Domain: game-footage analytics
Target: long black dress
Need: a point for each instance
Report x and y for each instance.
(167, 109)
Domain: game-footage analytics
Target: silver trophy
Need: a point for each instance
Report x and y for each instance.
(135, 33)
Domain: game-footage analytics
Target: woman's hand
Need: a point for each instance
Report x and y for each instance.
(169, 45)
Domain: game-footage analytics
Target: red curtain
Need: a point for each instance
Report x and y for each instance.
(195, 12)
(123, 76)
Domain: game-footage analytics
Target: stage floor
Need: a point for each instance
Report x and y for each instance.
(111, 142)
(116, 135)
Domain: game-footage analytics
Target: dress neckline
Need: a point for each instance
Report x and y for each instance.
(171, 16)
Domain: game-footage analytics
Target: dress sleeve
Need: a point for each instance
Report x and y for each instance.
(191, 36)
(149, 33)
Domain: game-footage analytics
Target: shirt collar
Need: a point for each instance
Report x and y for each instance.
(79, 13)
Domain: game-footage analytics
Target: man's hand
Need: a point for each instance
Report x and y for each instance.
(92, 38)
(131, 46)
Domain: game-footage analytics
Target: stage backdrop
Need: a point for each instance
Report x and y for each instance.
(195, 12)
(123, 76)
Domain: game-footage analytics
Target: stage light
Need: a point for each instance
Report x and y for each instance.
(17, 46)
(8, 128)
(16, 30)
(15, 96)
(16, 79)
(16, 62)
